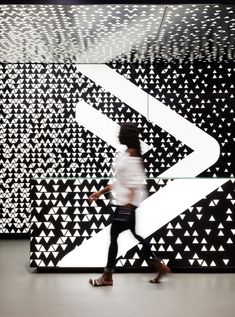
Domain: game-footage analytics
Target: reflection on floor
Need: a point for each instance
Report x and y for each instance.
(58, 295)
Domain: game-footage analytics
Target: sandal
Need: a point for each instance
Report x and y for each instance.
(99, 281)
(156, 280)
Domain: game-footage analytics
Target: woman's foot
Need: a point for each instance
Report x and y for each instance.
(155, 280)
(104, 280)
(161, 269)
(99, 281)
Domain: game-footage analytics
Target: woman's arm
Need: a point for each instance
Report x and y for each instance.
(96, 195)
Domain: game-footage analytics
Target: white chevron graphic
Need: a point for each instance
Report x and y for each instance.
(174, 198)
(100, 125)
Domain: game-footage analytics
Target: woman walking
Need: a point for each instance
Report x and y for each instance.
(129, 191)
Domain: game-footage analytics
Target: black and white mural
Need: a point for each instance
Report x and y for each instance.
(73, 137)
(189, 223)
(60, 117)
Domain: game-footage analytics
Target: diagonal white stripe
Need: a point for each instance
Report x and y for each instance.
(158, 209)
(100, 125)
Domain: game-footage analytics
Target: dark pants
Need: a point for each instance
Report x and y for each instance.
(124, 219)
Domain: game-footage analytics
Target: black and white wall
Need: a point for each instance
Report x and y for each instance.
(60, 117)
(67, 232)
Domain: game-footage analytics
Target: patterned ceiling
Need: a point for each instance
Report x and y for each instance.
(126, 33)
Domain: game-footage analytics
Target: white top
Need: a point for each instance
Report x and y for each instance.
(130, 175)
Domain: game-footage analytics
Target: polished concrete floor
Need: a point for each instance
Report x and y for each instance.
(29, 294)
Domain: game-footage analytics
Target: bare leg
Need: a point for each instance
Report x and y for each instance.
(161, 269)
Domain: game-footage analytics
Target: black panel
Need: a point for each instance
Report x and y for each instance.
(201, 237)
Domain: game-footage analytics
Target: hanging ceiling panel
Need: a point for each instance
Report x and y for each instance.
(103, 33)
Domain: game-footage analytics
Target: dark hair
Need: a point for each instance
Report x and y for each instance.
(129, 135)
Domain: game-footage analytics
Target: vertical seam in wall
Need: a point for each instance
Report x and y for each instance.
(163, 18)
(159, 30)
(43, 39)
(148, 107)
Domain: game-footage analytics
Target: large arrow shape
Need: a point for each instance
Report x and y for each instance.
(172, 199)
(100, 125)
(206, 149)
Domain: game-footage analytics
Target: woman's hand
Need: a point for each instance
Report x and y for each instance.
(94, 196)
